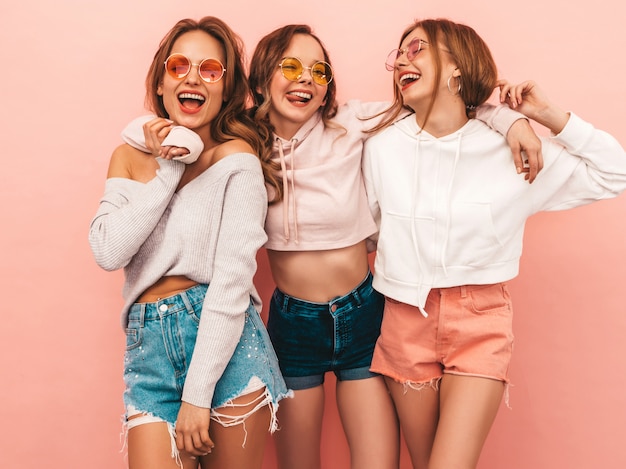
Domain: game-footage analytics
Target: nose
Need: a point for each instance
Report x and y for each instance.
(402, 59)
(305, 79)
(194, 74)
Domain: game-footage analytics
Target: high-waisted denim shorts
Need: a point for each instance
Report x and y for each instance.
(313, 338)
(160, 339)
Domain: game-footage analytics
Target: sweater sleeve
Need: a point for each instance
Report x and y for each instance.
(241, 235)
(128, 212)
(583, 164)
(500, 118)
(179, 136)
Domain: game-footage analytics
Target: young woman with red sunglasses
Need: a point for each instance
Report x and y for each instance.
(202, 380)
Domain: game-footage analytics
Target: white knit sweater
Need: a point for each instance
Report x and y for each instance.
(209, 231)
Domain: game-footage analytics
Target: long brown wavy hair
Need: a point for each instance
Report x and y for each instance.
(469, 52)
(267, 55)
(233, 121)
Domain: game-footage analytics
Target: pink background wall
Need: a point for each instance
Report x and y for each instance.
(75, 77)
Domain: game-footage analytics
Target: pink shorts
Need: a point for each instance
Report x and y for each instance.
(468, 331)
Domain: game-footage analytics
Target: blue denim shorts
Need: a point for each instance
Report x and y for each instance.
(159, 346)
(313, 338)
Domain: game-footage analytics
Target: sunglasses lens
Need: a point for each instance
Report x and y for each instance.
(177, 66)
(291, 68)
(391, 59)
(322, 73)
(414, 47)
(211, 70)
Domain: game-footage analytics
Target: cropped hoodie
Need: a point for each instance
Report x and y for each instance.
(451, 211)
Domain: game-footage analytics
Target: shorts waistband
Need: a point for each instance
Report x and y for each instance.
(463, 290)
(356, 297)
(164, 306)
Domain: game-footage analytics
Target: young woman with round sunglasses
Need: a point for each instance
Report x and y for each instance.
(451, 218)
(324, 315)
(202, 380)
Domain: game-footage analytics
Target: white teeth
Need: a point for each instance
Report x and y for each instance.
(409, 77)
(197, 97)
(302, 95)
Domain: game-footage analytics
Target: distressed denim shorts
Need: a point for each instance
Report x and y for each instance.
(160, 339)
(313, 338)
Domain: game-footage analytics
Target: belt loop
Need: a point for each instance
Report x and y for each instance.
(463, 291)
(187, 302)
(356, 294)
(285, 301)
(358, 291)
(142, 314)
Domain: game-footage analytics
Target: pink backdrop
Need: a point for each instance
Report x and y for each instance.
(75, 77)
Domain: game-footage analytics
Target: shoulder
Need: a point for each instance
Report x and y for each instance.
(128, 162)
(231, 147)
(236, 155)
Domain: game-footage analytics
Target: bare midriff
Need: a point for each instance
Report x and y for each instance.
(319, 276)
(166, 286)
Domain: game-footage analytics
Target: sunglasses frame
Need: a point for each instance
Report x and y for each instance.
(399, 52)
(191, 65)
(326, 66)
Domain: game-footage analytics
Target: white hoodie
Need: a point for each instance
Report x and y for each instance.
(451, 211)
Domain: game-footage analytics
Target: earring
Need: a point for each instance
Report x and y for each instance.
(458, 91)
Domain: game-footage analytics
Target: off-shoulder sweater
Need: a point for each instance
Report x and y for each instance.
(209, 231)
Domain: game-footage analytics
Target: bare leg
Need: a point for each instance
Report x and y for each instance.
(369, 420)
(240, 445)
(299, 436)
(418, 411)
(150, 447)
(468, 408)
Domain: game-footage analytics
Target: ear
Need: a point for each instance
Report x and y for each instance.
(159, 90)
(456, 73)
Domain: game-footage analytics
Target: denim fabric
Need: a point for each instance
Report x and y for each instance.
(313, 338)
(160, 339)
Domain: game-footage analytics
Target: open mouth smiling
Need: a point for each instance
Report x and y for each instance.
(408, 78)
(299, 96)
(191, 100)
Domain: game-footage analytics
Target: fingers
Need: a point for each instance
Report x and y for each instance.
(197, 443)
(514, 95)
(505, 87)
(155, 132)
(518, 160)
(534, 161)
(169, 152)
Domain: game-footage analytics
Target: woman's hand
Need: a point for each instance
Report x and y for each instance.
(192, 430)
(526, 149)
(531, 101)
(155, 132)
